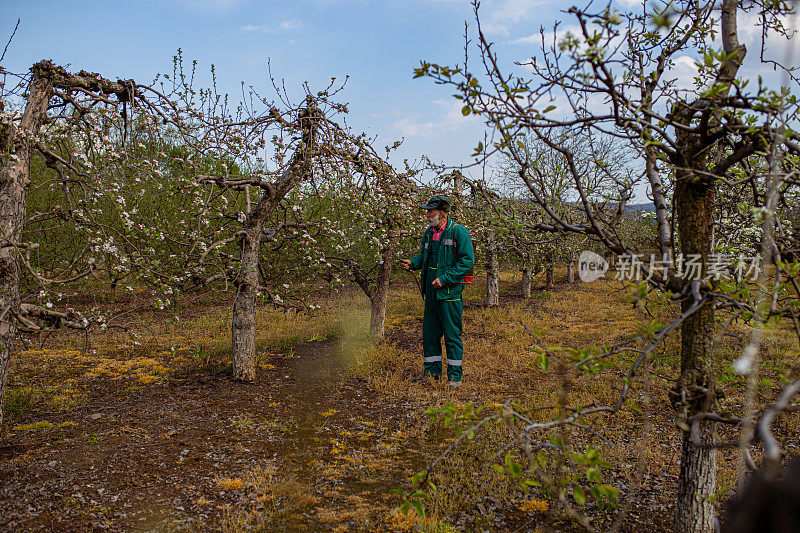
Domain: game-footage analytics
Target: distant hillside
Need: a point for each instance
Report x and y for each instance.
(642, 207)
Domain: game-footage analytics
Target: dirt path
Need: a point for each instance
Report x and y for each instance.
(307, 447)
(304, 447)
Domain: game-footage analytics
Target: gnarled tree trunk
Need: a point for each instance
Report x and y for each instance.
(243, 326)
(377, 313)
(16, 145)
(694, 392)
(526, 282)
(377, 303)
(458, 186)
(492, 270)
(379, 296)
(695, 194)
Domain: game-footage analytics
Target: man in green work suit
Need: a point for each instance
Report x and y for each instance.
(445, 257)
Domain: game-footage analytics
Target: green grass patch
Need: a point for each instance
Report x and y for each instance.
(21, 401)
(34, 426)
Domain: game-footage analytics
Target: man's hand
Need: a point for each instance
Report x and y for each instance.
(405, 264)
(437, 284)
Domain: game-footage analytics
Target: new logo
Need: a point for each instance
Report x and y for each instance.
(591, 266)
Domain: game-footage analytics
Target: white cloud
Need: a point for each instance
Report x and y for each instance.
(776, 46)
(286, 25)
(453, 115)
(683, 72)
(501, 16)
(210, 6)
(217, 4)
(290, 24)
(450, 119)
(560, 33)
(410, 127)
(629, 4)
(494, 29)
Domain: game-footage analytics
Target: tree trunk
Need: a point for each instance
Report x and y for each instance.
(695, 195)
(14, 180)
(526, 283)
(549, 271)
(694, 511)
(458, 186)
(243, 327)
(377, 314)
(380, 295)
(492, 271)
(696, 483)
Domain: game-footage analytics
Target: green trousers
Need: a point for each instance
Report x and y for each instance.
(442, 319)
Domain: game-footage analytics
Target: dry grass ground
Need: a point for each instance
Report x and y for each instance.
(354, 439)
(65, 370)
(501, 347)
(149, 433)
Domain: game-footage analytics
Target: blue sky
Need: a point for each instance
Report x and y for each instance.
(376, 42)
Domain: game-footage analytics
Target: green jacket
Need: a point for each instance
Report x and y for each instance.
(450, 271)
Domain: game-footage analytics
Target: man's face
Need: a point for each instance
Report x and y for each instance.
(434, 216)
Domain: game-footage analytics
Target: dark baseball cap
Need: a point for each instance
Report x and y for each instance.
(437, 202)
